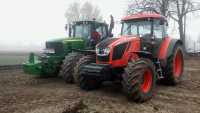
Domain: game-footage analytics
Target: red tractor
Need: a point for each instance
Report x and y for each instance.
(142, 55)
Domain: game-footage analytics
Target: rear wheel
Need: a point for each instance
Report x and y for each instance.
(85, 82)
(174, 68)
(67, 68)
(139, 80)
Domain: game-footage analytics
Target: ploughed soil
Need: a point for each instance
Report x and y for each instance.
(20, 93)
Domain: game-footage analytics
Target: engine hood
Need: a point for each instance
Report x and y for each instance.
(105, 43)
(65, 45)
(114, 41)
(67, 39)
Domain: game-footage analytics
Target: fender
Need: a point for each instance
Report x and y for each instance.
(166, 48)
(173, 43)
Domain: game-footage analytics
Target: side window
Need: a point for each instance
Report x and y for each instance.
(165, 32)
(144, 29)
(86, 29)
(134, 30)
(126, 30)
(78, 32)
(158, 30)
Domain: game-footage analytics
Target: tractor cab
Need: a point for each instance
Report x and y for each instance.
(150, 27)
(91, 32)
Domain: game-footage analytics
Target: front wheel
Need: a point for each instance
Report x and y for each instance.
(84, 60)
(89, 84)
(139, 80)
(85, 82)
(67, 68)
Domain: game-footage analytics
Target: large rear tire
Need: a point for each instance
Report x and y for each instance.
(174, 68)
(84, 82)
(67, 68)
(139, 80)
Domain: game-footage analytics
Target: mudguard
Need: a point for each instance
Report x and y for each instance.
(166, 48)
(171, 46)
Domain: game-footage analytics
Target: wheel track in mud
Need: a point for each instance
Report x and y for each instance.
(26, 94)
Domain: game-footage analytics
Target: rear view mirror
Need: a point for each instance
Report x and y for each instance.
(167, 24)
(111, 35)
(66, 27)
(162, 22)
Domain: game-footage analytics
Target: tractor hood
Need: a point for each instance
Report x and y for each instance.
(114, 41)
(112, 51)
(64, 45)
(70, 39)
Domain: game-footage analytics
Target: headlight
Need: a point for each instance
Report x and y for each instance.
(49, 51)
(103, 51)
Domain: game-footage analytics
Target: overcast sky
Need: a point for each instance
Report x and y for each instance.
(27, 24)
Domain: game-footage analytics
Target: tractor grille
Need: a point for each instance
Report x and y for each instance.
(118, 51)
(103, 58)
(57, 46)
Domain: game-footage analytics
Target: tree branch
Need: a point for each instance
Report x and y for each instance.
(172, 17)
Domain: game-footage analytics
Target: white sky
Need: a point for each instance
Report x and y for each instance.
(27, 24)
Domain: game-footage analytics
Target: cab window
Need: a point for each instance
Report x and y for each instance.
(160, 29)
(102, 31)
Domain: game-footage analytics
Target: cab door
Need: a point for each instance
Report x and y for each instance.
(159, 33)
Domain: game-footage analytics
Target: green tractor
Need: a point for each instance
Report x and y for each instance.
(60, 55)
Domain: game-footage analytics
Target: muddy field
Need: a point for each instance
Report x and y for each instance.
(20, 93)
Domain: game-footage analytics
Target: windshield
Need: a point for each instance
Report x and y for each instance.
(139, 27)
(82, 30)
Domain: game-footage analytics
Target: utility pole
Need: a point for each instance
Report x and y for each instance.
(194, 47)
(184, 31)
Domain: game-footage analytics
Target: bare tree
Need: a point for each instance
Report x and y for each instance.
(160, 6)
(175, 9)
(198, 42)
(179, 11)
(87, 11)
(73, 12)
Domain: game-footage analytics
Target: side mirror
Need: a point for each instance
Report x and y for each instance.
(162, 22)
(111, 35)
(70, 30)
(111, 26)
(66, 27)
(167, 24)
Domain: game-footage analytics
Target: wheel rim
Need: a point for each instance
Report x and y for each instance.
(178, 64)
(147, 81)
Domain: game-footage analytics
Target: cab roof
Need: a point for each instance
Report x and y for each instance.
(143, 15)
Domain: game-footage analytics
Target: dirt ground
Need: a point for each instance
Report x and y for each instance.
(20, 93)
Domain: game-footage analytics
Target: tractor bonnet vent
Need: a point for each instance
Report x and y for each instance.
(106, 42)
